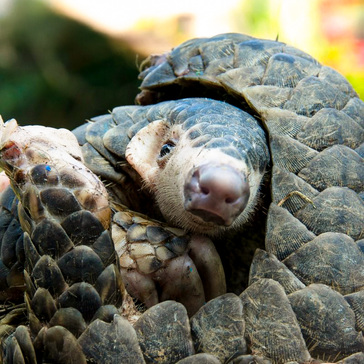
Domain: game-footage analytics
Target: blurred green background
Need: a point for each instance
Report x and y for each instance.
(61, 62)
(56, 71)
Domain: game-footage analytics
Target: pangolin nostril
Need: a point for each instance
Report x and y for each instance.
(204, 190)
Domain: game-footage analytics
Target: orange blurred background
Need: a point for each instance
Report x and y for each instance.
(331, 30)
(116, 35)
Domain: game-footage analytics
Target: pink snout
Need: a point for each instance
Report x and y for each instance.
(216, 193)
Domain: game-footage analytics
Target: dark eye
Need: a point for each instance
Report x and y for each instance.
(166, 149)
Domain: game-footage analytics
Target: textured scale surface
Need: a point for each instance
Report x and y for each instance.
(315, 121)
(312, 267)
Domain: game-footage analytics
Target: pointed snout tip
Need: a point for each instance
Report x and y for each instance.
(216, 193)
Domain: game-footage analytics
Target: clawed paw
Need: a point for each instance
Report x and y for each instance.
(159, 263)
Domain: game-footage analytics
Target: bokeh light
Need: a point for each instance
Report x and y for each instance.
(62, 61)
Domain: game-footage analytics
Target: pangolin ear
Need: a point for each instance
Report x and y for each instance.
(143, 150)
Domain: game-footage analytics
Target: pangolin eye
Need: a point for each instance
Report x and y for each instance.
(166, 149)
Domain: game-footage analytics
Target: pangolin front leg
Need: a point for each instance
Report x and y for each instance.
(160, 263)
(157, 263)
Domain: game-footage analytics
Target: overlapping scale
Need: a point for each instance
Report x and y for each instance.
(331, 258)
(69, 259)
(271, 326)
(104, 342)
(218, 327)
(154, 330)
(315, 122)
(306, 110)
(285, 233)
(336, 209)
(265, 265)
(330, 127)
(327, 322)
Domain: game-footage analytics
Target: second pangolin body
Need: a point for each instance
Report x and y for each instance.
(287, 127)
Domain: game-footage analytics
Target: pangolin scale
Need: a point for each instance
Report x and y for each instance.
(277, 162)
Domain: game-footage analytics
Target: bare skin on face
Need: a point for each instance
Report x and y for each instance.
(201, 190)
(198, 189)
(216, 193)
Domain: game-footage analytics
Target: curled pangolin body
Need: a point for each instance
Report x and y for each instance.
(294, 308)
